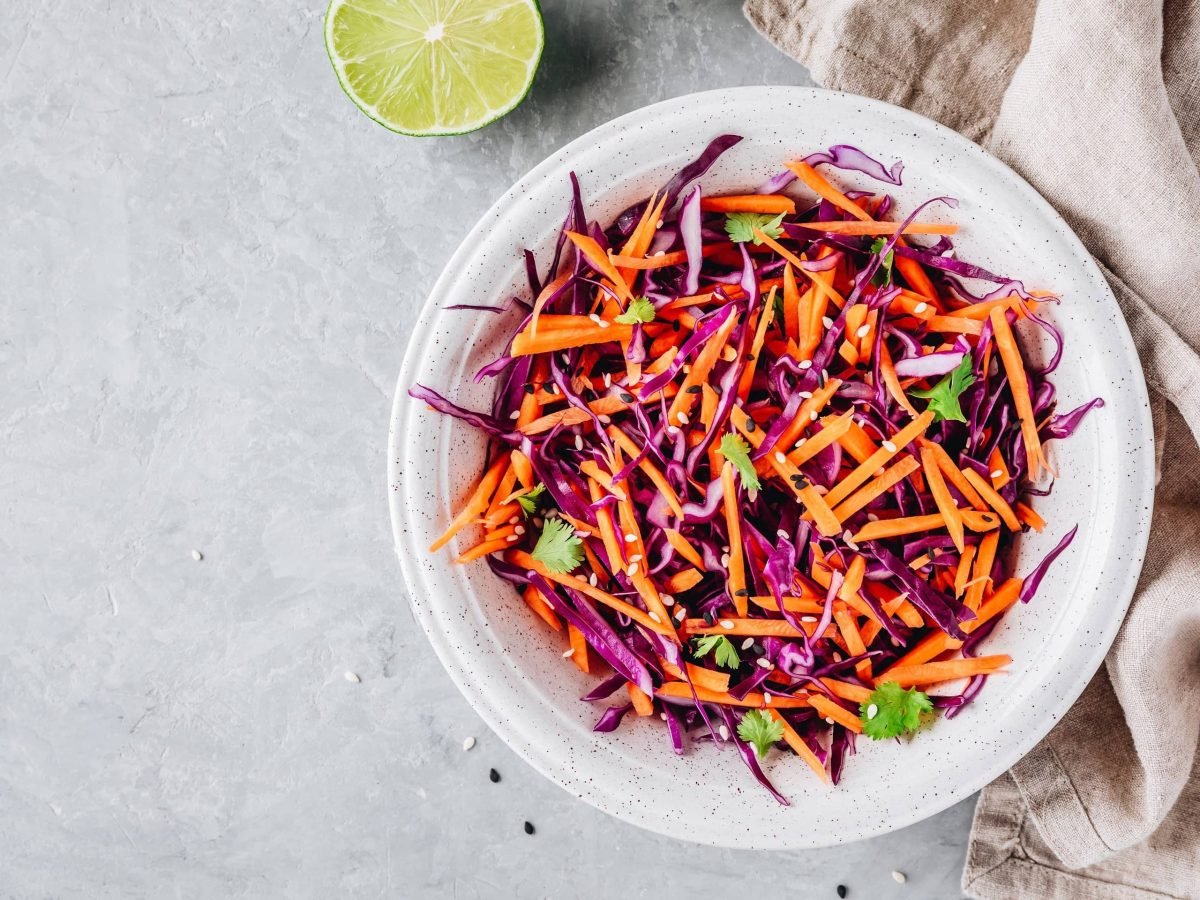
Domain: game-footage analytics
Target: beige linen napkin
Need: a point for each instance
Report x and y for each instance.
(1097, 104)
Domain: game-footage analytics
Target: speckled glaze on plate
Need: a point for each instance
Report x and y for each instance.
(510, 668)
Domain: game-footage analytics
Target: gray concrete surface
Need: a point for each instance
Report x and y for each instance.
(209, 264)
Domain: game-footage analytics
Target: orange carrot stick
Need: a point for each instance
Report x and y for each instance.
(476, 503)
(760, 334)
(954, 326)
(892, 382)
(595, 255)
(579, 649)
(801, 748)
(844, 690)
(699, 676)
(948, 670)
(737, 575)
(873, 228)
(963, 572)
(826, 191)
(755, 203)
(622, 440)
(995, 501)
(981, 575)
(941, 496)
(538, 604)
(876, 487)
(752, 699)
(835, 712)
(879, 458)
(642, 704)
(1027, 515)
(662, 260)
(952, 473)
(684, 548)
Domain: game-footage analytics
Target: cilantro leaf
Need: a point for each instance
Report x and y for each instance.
(723, 651)
(883, 275)
(558, 548)
(532, 499)
(943, 397)
(639, 312)
(760, 728)
(737, 451)
(740, 226)
(891, 711)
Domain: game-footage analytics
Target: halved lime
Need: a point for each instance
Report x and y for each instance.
(427, 67)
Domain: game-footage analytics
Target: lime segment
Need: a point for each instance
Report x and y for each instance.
(428, 67)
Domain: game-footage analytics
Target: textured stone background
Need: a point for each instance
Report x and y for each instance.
(209, 264)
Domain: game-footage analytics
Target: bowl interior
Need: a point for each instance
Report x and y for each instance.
(509, 665)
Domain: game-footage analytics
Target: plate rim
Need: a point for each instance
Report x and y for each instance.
(1048, 717)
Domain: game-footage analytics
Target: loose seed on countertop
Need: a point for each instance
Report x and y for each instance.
(468, 743)
(494, 776)
(352, 678)
(529, 828)
(197, 555)
(899, 877)
(841, 891)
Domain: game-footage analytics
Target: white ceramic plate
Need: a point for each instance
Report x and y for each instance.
(511, 670)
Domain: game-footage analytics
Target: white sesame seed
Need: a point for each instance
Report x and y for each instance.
(806, 394)
(808, 618)
(828, 721)
(805, 364)
(826, 321)
(658, 224)
(726, 624)
(595, 318)
(920, 307)
(593, 580)
(567, 654)
(812, 416)
(681, 614)
(837, 657)
(780, 457)
(580, 533)
(468, 743)
(748, 643)
(872, 711)
(899, 877)
(863, 331)
(632, 570)
(513, 520)
(637, 557)
(682, 417)
(351, 677)
(672, 429)
(783, 534)
(667, 599)
(725, 547)
(824, 375)
(663, 716)
(520, 529)
(515, 414)
(764, 663)
(821, 489)
(654, 617)
(608, 379)
(565, 357)
(513, 538)
(630, 537)
(723, 730)
(660, 252)
(889, 446)
(579, 442)
(767, 699)
(724, 560)
(871, 517)
(851, 544)
(197, 555)
(996, 473)
(605, 420)
(800, 443)
(604, 323)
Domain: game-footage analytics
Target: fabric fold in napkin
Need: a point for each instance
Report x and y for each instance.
(1097, 104)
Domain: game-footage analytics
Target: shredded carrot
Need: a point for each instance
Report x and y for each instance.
(941, 496)
(684, 580)
(760, 334)
(698, 675)
(879, 458)
(790, 603)
(539, 605)
(737, 575)
(791, 303)
(890, 380)
(801, 748)
(844, 690)
(948, 670)
(826, 191)
(587, 332)
(962, 573)
(476, 503)
(873, 228)
(754, 203)
(858, 443)
(878, 486)
(995, 501)
(599, 259)
(740, 627)
(985, 558)
(998, 469)
(952, 473)
(954, 326)
(1027, 516)
(661, 260)
(835, 712)
(752, 699)
(643, 705)
(854, 641)
(622, 440)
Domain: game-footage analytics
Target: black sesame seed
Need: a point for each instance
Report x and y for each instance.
(529, 828)
(742, 593)
(709, 618)
(676, 325)
(750, 426)
(749, 357)
(494, 775)
(841, 890)
(529, 389)
(695, 389)
(627, 398)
